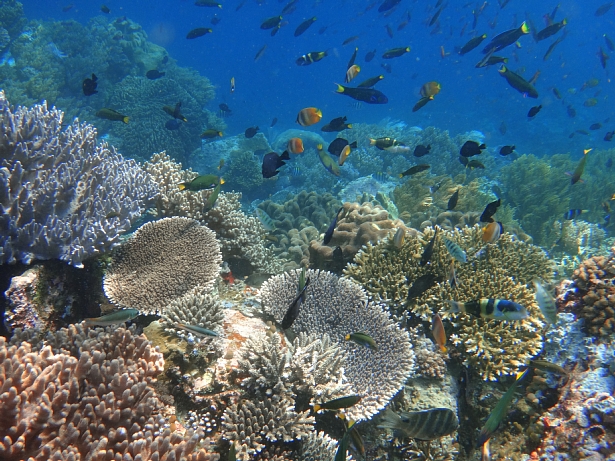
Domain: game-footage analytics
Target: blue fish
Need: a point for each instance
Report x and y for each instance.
(329, 233)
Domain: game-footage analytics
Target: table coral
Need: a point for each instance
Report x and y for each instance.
(501, 270)
(161, 262)
(79, 391)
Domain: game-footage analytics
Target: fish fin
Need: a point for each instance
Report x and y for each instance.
(182, 186)
(353, 144)
(349, 125)
(340, 88)
(525, 28)
(222, 181)
(285, 155)
(390, 420)
(454, 306)
(125, 120)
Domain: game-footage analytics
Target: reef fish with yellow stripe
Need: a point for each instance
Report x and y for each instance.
(500, 309)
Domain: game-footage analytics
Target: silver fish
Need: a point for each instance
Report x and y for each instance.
(455, 250)
(546, 303)
(112, 319)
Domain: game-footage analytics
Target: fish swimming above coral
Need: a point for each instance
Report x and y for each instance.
(114, 318)
(422, 425)
(113, 115)
(201, 182)
(500, 309)
(89, 85)
(329, 234)
(272, 162)
(175, 111)
(368, 95)
(293, 311)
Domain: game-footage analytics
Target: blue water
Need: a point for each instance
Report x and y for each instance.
(471, 99)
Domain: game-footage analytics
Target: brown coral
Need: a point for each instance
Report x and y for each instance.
(162, 261)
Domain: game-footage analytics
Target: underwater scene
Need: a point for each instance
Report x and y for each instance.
(307, 230)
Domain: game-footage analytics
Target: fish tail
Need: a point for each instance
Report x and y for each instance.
(222, 181)
(316, 407)
(525, 28)
(340, 88)
(349, 125)
(125, 120)
(182, 186)
(391, 420)
(444, 349)
(455, 306)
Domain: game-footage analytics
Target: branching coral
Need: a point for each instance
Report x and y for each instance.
(94, 396)
(501, 270)
(161, 262)
(61, 195)
(337, 307)
(197, 307)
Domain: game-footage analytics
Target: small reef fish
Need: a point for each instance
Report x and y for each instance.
(452, 202)
(414, 170)
(471, 44)
(383, 143)
(499, 412)
(603, 9)
(206, 181)
(500, 309)
(310, 58)
(309, 116)
(438, 332)
(430, 89)
(362, 339)
(490, 210)
(518, 83)
(395, 52)
(353, 58)
(388, 5)
(211, 200)
(421, 103)
(350, 40)
(422, 284)
(428, 251)
(251, 132)
(492, 232)
(112, 319)
(422, 425)
(301, 28)
(370, 82)
(113, 115)
(105, 9)
(573, 214)
(420, 150)
(154, 74)
(546, 303)
(351, 73)
(474, 164)
(451, 275)
(208, 3)
(507, 38)
(271, 23)
(368, 95)
(471, 148)
(550, 30)
(293, 311)
(196, 330)
(232, 84)
(398, 239)
(534, 111)
(89, 85)
(337, 124)
(198, 32)
(295, 146)
(455, 250)
(603, 57)
(506, 150)
(341, 453)
(330, 165)
(338, 404)
(272, 162)
(259, 54)
(345, 153)
(175, 111)
(329, 234)
(210, 134)
(547, 366)
(338, 145)
(578, 172)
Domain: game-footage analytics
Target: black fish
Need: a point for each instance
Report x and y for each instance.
(271, 163)
(329, 233)
(215, 20)
(370, 82)
(337, 146)
(422, 284)
(225, 108)
(603, 9)
(368, 95)
(608, 136)
(475, 164)
(311, 57)
(352, 58)
(175, 111)
(570, 111)
(506, 38)
(518, 83)
(338, 263)
(595, 126)
(421, 150)
(271, 23)
(609, 162)
(304, 26)
(426, 256)
(89, 85)
(471, 148)
(534, 110)
(414, 170)
(274, 121)
(550, 30)
(337, 124)
(198, 32)
(463, 161)
(490, 210)
(293, 311)
(452, 202)
(105, 9)
(421, 103)
(370, 55)
(154, 74)
(387, 5)
(251, 132)
(507, 150)
(473, 43)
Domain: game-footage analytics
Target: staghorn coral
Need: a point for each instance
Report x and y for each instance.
(161, 262)
(240, 236)
(357, 225)
(79, 391)
(318, 447)
(501, 270)
(196, 307)
(61, 195)
(337, 307)
(592, 295)
(310, 366)
(254, 424)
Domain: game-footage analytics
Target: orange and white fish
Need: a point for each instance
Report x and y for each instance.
(309, 116)
(492, 232)
(352, 72)
(344, 154)
(437, 329)
(295, 146)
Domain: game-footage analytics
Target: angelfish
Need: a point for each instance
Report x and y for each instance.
(578, 172)
(112, 319)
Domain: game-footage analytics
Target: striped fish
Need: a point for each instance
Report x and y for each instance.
(455, 250)
(546, 303)
(265, 219)
(422, 425)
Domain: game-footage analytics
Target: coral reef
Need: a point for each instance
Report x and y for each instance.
(80, 391)
(197, 307)
(241, 237)
(501, 270)
(161, 262)
(592, 294)
(63, 196)
(337, 307)
(357, 225)
(318, 447)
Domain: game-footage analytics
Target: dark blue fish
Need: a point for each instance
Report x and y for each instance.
(329, 233)
(293, 311)
(271, 163)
